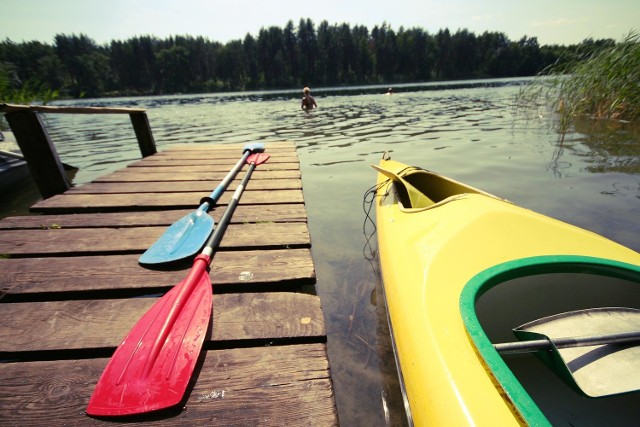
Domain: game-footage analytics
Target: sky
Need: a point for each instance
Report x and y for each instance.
(551, 21)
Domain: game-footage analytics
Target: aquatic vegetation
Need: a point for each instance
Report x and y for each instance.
(604, 86)
(13, 92)
(16, 92)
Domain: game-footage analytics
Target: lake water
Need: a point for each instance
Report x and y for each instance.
(469, 131)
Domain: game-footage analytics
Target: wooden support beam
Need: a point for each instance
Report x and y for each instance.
(144, 136)
(10, 108)
(39, 152)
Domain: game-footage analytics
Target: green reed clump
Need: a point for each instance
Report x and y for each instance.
(12, 91)
(606, 85)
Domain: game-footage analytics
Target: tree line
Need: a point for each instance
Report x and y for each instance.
(293, 56)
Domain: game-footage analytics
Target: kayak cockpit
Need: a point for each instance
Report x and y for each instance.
(417, 188)
(499, 299)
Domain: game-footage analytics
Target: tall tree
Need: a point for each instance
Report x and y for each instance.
(271, 57)
(232, 69)
(86, 65)
(172, 63)
(254, 76)
(308, 51)
(444, 67)
(464, 55)
(326, 69)
(385, 52)
(362, 59)
(291, 54)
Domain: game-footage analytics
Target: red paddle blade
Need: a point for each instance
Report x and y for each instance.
(258, 158)
(152, 367)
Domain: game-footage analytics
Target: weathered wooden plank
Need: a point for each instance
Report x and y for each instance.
(244, 213)
(224, 168)
(79, 241)
(176, 161)
(231, 155)
(188, 158)
(25, 276)
(246, 400)
(218, 157)
(181, 186)
(270, 145)
(234, 148)
(204, 151)
(215, 156)
(96, 324)
(131, 174)
(268, 386)
(74, 203)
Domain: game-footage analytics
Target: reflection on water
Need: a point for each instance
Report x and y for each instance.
(612, 146)
(606, 146)
(467, 131)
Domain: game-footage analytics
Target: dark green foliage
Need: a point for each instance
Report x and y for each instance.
(306, 55)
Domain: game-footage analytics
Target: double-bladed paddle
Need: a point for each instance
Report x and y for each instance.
(186, 236)
(151, 368)
(601, 358)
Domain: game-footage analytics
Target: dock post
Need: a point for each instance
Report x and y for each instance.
(39, 152)
(144, 136)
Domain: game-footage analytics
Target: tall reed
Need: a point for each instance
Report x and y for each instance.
(13, 92)
(606, 85)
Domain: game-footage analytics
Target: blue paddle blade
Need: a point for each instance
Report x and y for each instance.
(255, 147)
(183, 239)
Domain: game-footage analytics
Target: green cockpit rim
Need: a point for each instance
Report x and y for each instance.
(510, 270)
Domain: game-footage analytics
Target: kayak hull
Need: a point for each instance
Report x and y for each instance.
(433, 258)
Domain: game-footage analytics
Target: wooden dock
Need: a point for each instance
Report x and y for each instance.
(71, 288)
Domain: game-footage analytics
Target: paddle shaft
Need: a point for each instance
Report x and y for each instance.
(207, 202)
(216, 237)
(537, 345)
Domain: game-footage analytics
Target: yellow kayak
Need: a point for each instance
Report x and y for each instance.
(442, 245)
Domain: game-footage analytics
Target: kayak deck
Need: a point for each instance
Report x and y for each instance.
(437, 259)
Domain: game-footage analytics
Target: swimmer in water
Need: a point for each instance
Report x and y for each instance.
(308, 103)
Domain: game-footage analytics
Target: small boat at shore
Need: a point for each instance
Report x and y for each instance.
(464, 271)
(13, 167)
(15, 171)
